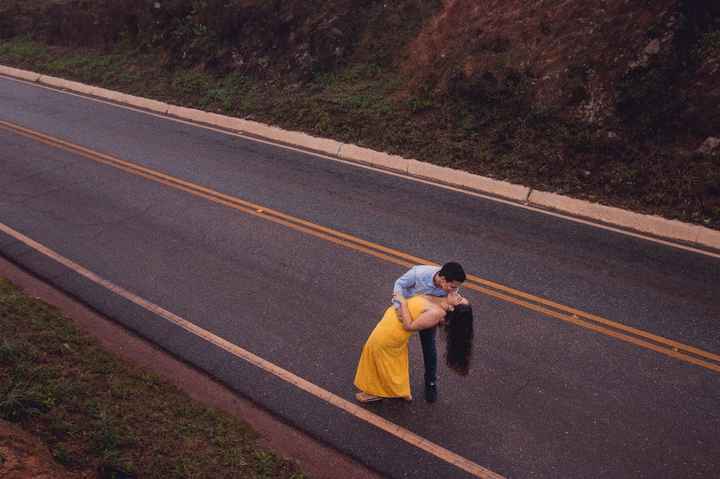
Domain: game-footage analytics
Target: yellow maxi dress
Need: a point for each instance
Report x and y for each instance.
(383, 368)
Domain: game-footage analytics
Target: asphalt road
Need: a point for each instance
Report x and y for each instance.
(546, 398)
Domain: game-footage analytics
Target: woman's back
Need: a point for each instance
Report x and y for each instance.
(390, 330)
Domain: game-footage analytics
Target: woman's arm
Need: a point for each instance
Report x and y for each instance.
(403, 312)
(427, 319)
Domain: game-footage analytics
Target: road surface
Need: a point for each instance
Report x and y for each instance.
(597, 354)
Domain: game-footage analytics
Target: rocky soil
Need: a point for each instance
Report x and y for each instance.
(24, 456)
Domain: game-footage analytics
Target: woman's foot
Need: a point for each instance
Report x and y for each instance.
(365, 397)
(407, 398)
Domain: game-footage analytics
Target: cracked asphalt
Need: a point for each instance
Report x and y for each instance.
(545, 398)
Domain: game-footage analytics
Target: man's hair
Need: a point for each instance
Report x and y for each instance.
(452, 271)
(459, 330)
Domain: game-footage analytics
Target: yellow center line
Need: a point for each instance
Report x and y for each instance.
(576, 314)
(602, 330)
(550, 308)
(363, 414)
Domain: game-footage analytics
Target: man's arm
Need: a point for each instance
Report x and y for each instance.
(400, 290)
(403, 284)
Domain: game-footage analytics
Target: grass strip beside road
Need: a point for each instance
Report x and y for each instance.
(96, 412)
(505, 138)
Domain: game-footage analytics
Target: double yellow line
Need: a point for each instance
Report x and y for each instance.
(598, 324)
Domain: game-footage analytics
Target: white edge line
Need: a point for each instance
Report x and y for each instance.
(320, 393)
(406, 176)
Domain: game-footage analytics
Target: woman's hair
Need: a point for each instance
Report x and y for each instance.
(459, 333)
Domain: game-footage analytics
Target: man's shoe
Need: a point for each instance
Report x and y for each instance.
(431, 392)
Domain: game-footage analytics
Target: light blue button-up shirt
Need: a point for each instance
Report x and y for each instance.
(418, 280)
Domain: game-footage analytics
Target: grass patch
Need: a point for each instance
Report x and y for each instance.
(710, 44)
(23, 51)
(97, 413)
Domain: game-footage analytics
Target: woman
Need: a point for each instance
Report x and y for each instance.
(383, 370)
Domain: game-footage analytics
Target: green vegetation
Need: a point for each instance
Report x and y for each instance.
(98, 413)
(710, 44)
(353, 71)
(23, 50)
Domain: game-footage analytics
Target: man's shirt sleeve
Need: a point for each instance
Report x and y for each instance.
(404, 283)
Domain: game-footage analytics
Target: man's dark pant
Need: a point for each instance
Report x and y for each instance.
(427, 339)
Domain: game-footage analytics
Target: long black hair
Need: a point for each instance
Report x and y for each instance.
(459, 334)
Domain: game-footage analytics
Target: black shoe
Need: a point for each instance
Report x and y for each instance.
(431, 392)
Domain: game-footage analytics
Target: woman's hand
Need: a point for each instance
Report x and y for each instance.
(455, 299)
(401, 310)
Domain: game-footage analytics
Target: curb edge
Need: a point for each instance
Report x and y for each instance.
(656, 226)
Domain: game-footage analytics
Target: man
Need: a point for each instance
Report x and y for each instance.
(434, 281)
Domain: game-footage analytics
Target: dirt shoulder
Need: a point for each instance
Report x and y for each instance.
(260, 431)
(23, 455)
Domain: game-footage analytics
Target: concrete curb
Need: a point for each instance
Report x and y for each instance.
(359, 154)
(468, 180)
(21, 74)
(652, 225)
